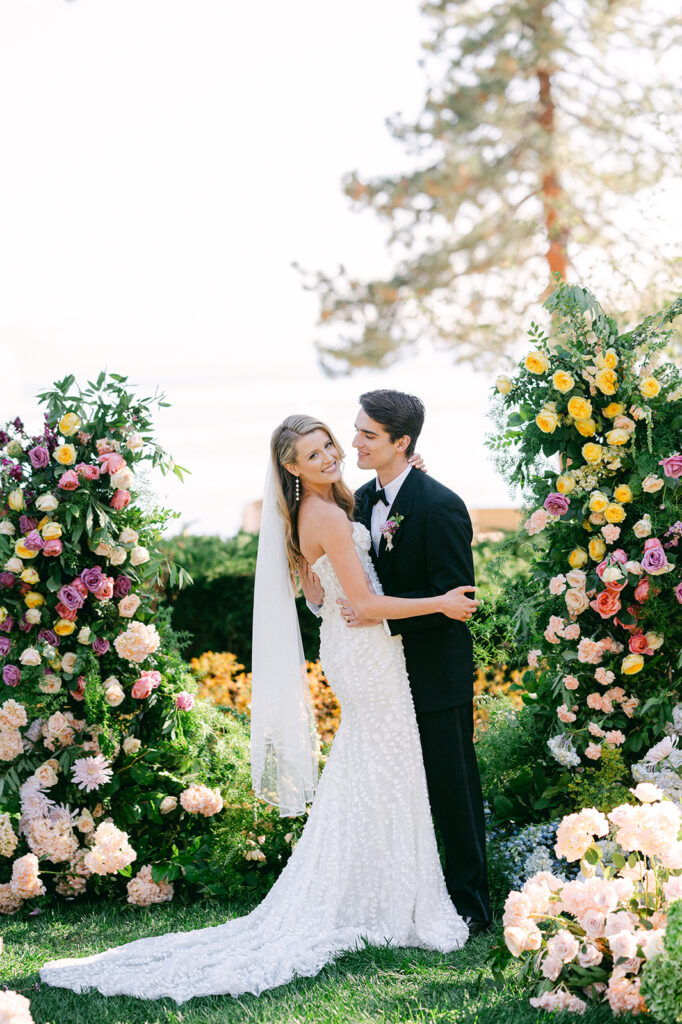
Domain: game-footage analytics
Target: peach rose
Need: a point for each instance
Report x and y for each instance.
(606, 604)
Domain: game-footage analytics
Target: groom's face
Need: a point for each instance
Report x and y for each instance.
(373, 443)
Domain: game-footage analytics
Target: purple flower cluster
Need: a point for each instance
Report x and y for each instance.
(674, 532)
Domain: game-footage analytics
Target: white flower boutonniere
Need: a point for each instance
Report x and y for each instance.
(390, 528)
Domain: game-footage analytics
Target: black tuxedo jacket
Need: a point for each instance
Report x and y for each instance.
(431, 553)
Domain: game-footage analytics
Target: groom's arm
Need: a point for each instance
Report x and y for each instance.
(449, 560)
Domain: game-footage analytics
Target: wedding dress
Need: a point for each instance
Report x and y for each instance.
(365, 868)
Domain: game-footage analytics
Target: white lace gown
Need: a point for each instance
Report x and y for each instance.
(365, 868)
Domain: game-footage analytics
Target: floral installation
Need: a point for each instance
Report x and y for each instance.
(105, 757)
(590, 430)
(592, 939)
(662, 763)
(390, 528)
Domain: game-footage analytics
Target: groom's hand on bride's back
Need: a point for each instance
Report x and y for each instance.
(456, 604)
(313, 591)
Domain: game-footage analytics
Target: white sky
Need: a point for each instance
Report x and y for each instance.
(164, 162)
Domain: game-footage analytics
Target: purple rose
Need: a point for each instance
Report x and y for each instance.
(25, 626)
(6, 579)
(556, 504)
(654, 558)
(11, 675)
(27, 523)
(48, 636)
(672, 466)
(678, 592)
(33, 541)
(5, 644)
(7, 624)
(100, 645)
(70, 597)
(92, 578)
(39, 456)
(122, 585)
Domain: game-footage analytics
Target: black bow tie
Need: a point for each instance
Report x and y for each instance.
(379, 495)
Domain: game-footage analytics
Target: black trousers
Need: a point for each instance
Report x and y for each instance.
(454, 785)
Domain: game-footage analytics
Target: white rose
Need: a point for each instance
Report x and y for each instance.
(122, 478)
(118, 556)
(114, 695)
(33, 615)
(7, 528)
(46, 503)
(634, 567)
(134, 441)
(69, 662)
(138, 555)
(85, 823)
(110, 681)
(129, 536)
(14, 564)
(168, 804)
(576, 579)
(642, 527)
(104, 550)
(46, 776)
(654, 640)
(576, 601)
(611, 574)
(131, 744)
(50, 683)
(84, 635)
(30, 657)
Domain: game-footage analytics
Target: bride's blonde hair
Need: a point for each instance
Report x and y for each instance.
(283, 444)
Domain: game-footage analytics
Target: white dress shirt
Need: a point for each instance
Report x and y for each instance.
(381, 512)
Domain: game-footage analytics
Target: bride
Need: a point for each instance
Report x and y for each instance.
(366, 866)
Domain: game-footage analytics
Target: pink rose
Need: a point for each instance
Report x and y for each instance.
(69, 481)
(119, 499)
(654, 559)
(184, 701)
(89, 472)
(111, 462)
(639, 644)
(678, 592)
(556, 504)
(672, 466)
(105, 589)
(148, 681)
(642, 590)
(52, 548)
(79, 692)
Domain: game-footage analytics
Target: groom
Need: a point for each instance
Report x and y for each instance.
(421, 546)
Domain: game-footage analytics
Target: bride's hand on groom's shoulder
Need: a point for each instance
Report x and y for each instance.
(417, 461)
(313, 591)
(457, 605)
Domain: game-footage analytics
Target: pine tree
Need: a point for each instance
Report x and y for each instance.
(544, 118)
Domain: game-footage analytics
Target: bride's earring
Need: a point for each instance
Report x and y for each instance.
(297, 492)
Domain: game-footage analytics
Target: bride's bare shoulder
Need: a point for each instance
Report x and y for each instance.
(316, 512)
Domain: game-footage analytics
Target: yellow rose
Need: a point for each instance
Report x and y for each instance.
(614, 409)
(617, 436)
(547, 421)
(577, 558)
(69, 424)
(623, 494)
(65, 454)
(3, 613)
(33, 599)
(579, 408)
(16, 500)
(43, 522)
(587, 525)
(563, 381)
(537, 362)
(51, 530)
(22, 551)
(504, 384)
(649, 387)
(30, 576)
(632, 663)
(607, 382)
(614, 513)
(63, 627)
(592, 453)
(607, 360)
(565, 484)
(586, 427)
(598, 501)
(596, 549)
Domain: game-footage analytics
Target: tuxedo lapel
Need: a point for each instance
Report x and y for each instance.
(402, 506)
(362, 512)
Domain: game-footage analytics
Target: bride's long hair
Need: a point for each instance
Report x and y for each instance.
(283, 449)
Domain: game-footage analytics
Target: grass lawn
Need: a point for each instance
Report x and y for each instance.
(373, 985)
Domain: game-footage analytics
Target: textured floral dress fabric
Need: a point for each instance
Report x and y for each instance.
(366, 867)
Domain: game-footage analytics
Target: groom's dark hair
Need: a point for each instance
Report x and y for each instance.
(398, 414)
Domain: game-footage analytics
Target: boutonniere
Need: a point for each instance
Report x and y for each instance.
(390, 528)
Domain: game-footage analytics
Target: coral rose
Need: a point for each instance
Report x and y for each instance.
(606, 604)
(120, 499)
